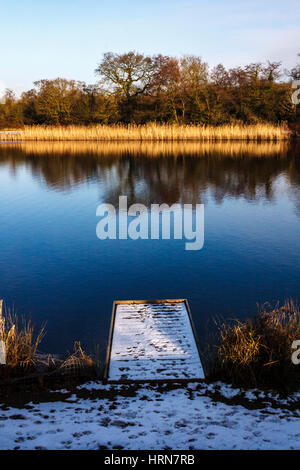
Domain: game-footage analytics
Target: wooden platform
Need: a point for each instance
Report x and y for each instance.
(152, 340)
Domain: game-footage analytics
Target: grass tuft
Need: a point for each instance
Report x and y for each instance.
(257, 352)
(20, 341)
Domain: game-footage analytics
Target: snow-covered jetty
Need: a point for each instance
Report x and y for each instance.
(152, 340)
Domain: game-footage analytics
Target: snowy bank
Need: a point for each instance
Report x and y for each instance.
(195, 416)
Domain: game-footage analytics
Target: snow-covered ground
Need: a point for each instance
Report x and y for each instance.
(194, 416)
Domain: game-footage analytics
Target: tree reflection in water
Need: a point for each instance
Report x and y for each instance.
(162, 172)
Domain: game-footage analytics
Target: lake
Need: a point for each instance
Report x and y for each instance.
(55, 269)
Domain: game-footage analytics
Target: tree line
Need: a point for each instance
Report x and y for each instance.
(136, 88)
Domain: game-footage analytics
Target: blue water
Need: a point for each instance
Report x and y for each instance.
(53, 267)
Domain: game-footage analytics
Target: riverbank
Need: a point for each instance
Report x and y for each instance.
(149, 132)
(261, 351)
(194, 416)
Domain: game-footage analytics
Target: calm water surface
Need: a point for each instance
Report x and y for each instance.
(53, 267)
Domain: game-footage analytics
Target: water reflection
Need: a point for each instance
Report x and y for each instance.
(53, 266)
(166, 172)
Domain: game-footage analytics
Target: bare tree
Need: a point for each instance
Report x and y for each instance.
(294, 73)
(129, 74)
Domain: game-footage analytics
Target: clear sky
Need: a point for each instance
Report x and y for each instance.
(66, 38)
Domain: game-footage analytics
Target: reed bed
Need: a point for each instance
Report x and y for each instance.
(149, 132)
(257, 352)
(236, 149)
(22, 357)
(20, 341)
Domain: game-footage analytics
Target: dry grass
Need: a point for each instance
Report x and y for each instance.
(78, 363)
(149, 132)
(257, 352)
(20, 341)
(155, 149)
(23, 359)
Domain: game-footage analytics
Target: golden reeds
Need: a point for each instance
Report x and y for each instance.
(257, 351)
(149, 132)
(20, 342)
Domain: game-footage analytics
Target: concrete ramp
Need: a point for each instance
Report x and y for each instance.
(152, 340)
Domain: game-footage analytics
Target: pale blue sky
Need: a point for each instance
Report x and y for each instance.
(66, 38)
